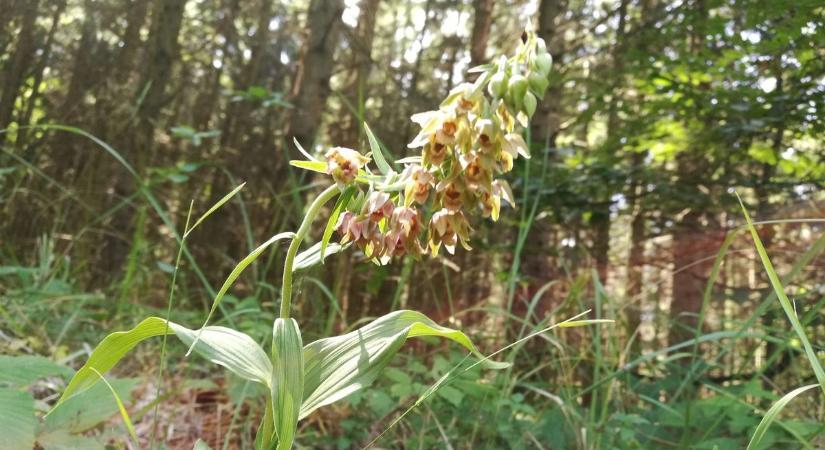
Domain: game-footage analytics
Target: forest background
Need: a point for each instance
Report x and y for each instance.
(118, 114)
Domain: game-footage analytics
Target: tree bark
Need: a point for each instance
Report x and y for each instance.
(482, 21)
(311, 87)
(545, 124)
(689, 245)
(357, 94)
(151, 96)
(18, 64)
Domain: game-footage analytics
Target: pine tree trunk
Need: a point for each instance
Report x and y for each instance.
(482, 21)
(16, 67)
(311, 87)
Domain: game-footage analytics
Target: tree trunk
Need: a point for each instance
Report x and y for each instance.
(135, 19)
(356, 94)
(311, 87)
(16, 67)
(689, 243)
(151, 97)
(601, 215)
(545, 124)
(31, 101)
(482, 21)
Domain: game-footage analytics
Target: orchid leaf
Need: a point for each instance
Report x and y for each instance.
(338, 366)
(377, 155)
(313, 166)
(287, 379)
(223, 346)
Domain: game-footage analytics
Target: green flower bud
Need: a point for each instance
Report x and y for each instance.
(538, 83)
(544, 62)
(541, 46)
(530, 104)
(498, 84)
(517, 87)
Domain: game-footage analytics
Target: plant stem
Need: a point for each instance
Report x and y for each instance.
(314, 208)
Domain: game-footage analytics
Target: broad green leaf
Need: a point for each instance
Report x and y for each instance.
(790, 311)
(17, 420)
(63, 440)
(377, 155)
(287, 379)
(223, 346)
(770, 416)
(87, 409)
(336, 367)
(20, 371)
(340, 205)
(236, 272)
(314, 166)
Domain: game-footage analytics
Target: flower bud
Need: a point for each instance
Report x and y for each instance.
(541, 46)
(538, 83)
(544, 62)
(498, 84)
(516, 88)
(530, 104)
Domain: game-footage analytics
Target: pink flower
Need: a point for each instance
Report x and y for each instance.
(355, 229)
(378, 206)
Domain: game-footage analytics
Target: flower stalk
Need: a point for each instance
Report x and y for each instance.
(303, 230)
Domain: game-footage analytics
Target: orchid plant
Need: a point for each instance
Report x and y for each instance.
(466, 144)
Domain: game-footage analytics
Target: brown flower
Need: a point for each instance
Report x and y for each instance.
(343, 164)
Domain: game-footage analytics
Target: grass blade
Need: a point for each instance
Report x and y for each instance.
(784, 301)
(770, 416)
(123, 413)
(214, 208)
(236, 272)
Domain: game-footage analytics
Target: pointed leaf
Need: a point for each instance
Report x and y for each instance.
(287, 379)
(790, 311)
(123, 413)
(340, 205)
(75, 415)
(382, 163)
(338, 366)
(312, 255)
(223, 346)
(214, 208)
(303, 151)
(313, 166)
(236, 272)
(770, 416)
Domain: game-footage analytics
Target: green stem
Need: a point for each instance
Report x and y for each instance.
(314, 208)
